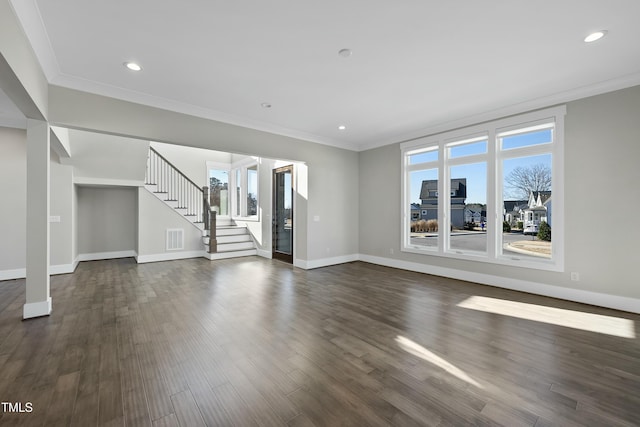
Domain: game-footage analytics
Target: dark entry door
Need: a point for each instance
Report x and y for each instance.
(282, 224)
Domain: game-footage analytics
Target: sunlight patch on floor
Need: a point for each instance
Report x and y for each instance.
(417, 350)
(598, 323)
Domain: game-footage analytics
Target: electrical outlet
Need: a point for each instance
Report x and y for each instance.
(575, 276)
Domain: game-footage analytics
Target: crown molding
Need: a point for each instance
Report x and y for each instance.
(33, 26)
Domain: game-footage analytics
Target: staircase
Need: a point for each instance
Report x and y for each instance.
(233, 241)
(178, 192)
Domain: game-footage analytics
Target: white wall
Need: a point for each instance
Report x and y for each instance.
(154, 218)
(603, 192)
(62, 233)
(191, 161)
(13, 187)
(601, 187)
(107, 159)
(107, 220)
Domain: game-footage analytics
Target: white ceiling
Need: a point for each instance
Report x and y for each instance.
(418, 66)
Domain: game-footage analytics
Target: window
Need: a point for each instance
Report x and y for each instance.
(488, 190)
(219, 190)
(422, 176)
(526, 157)
(236, 201)
(252, 190)
(467, 179)
(245, 197)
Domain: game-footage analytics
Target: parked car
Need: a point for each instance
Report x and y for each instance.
(530, 229)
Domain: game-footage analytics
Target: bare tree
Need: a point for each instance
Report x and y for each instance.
(522, 180)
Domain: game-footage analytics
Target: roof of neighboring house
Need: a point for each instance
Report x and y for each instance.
(544, 196)
(514, 205)
(415, 205)
(538, 198)
(457, 184)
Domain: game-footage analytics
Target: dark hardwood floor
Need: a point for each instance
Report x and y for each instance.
(251, 342)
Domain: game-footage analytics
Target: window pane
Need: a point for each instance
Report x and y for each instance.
(424, 208)
(219, 191)
(467, 149)
(468, 207)
(238, 192)
(527, 207)
(427, 156)
(544, 136)
(252, 191)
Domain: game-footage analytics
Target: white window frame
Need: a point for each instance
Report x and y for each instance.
(243, 166)
(494, 158)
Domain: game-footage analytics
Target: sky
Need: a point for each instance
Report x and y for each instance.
(222, 175)
(476, 173)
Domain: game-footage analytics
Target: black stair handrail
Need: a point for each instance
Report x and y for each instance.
(177, 186)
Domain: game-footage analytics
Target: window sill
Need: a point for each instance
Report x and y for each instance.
(505, 260)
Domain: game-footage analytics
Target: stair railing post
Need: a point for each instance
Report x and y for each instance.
(213, 241)
(206, 210)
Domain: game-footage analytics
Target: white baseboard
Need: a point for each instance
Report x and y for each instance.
(97, 256)
(37, 309)
(63, 268)
(577, 295)
(19, 273)
(265, 254)
(325, 262)
(169, 256)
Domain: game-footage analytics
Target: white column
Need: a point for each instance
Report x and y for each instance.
(38, 299)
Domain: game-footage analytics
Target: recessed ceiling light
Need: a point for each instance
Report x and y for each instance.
(265, 105)
(342, 127)
(597, 35)
(132, 66)
(345, 53)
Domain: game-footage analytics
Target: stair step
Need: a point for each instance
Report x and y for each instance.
(232, 254)
(230, 231)
(236, 246)
(234, 238)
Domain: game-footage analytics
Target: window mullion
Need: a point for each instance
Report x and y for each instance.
(443, 200)
(477, 158)
(494, 194)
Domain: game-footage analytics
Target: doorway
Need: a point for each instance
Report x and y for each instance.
(282, 223)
